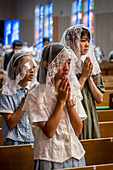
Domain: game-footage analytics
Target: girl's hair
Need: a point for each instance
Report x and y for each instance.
(48, 54)
(53, 50)
(85, 32)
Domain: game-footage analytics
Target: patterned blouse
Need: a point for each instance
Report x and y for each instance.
(9, 104)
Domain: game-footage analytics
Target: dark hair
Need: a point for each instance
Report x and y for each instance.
(85, 32)
(45, 39)
(56, 48)
(15, 64)
(17, 43)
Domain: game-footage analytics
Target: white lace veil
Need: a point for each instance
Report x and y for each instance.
(12, 78)
(71, 37)
(56, 55)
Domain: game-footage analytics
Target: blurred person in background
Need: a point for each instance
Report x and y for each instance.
(16, 47)
(46, 41)
(111, 56)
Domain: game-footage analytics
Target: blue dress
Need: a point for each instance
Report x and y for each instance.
(22, 133)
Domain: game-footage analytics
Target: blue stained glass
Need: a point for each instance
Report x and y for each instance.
(80, 5)
(51, 8)
(46, 10)
(48, 21)
(76, 15)
(74, 7)
(11, 31)
(15, 30)
(7, 32)
(39, 26)
(85, 6)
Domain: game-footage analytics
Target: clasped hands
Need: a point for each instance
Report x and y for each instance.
(64, 90)
(87, 68)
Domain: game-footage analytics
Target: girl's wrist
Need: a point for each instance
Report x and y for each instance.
(70, 103)
(60, 102)
(84, 78)
(89, 78)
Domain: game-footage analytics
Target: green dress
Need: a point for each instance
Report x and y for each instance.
(90, 125)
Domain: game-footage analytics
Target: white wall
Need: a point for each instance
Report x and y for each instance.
(24, 10)
(103, 6)
(103, 25)
(7, 9)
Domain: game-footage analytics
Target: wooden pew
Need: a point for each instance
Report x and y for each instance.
(98, 151)
(106, 68)
(1, 138)
(106, 129)
(93, 167)
(16, 157)
(0, 122)
(108, 82)
(107, 79)
(108, 86)
(105, 115)
(105, 98)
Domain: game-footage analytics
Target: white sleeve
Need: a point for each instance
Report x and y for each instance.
(37, 110)
(80, 110)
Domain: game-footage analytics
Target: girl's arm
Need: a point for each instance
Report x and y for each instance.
(76, 122)
(49, 127)
(96, 93)
(13, 119)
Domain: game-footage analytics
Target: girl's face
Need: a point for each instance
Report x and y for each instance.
(63, 71)
(84, 45)
(30, 72)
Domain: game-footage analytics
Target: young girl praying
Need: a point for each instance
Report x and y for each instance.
(88, 72)
(56, 112)
(21, 76)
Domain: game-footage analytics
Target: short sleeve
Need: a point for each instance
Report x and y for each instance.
(5, 104)
(36, 108)
(80, 110)
(99, 82)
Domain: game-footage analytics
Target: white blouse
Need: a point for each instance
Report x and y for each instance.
(64, 144)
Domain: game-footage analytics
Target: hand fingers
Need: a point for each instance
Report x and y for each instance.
(64, 83)
(68, 86)
(61, 83)
(87, 58)
(87, 62)
(90, 66)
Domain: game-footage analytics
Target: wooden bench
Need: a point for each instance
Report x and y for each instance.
(106, 68)
(1, 138)
(105, 115)
(106, 129)
(105, 98)
(93, 167)
(98, 151)
(108, 86)
(108, 78)
(16, 157)
(0, 122)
